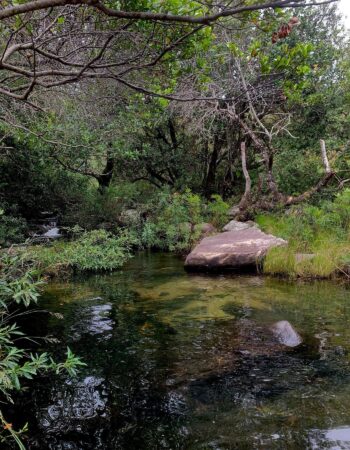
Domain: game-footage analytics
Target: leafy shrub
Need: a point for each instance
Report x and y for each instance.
(106, 208)
(171, 226)
(21, 286)
(18, 283)
(12, 229)
(96, 250)
(217, 211)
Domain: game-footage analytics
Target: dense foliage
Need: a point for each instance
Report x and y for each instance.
(88, 150)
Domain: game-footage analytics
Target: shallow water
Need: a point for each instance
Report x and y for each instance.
(181, 361)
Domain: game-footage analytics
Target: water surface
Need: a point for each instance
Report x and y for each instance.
(181, 361)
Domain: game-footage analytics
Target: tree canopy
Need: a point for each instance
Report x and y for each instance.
(222, 98)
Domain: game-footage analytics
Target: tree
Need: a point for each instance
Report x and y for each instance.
(262, 95)
(200, 91)
(50, 43)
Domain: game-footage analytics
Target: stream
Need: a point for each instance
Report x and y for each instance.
(183, 361)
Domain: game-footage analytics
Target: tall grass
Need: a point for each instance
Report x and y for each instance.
(325, 262)
(318, 240)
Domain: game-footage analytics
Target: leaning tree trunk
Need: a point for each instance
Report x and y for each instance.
(323, 182)
(267, 157)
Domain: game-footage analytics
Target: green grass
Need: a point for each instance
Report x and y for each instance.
(280, 261)
(328, 261)
(322, 231)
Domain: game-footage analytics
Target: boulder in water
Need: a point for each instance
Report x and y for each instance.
(231, 250)
(286, 334)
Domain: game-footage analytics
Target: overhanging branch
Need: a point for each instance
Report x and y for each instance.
(38, 5)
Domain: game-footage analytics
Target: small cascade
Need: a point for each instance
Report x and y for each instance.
(47, 227)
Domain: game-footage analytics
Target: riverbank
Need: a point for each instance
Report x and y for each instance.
(318, 240)
(99, 251)
(305, 241)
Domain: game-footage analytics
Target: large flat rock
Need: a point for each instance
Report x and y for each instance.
(232, 250)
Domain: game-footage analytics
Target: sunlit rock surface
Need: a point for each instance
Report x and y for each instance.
(232, 250)
(335, 438)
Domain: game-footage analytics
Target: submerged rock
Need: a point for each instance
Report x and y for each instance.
(286, 334)
(74, 406)
(232, 250)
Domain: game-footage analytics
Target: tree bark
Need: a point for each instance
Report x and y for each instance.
(105, 178)
(246, 198)
(265, 203)
(210, 180)
(267, 158)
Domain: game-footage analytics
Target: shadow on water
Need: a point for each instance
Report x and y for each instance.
(180, 361)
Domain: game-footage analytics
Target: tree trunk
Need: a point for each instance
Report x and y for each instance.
(267, 158)
(210, 180)
(105, 178)
(246, 198)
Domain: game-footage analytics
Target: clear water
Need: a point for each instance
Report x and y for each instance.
(181, 361)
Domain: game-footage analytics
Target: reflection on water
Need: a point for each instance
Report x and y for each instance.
(180, 361)
(93, 319)
(73, 402)
(338, 438)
